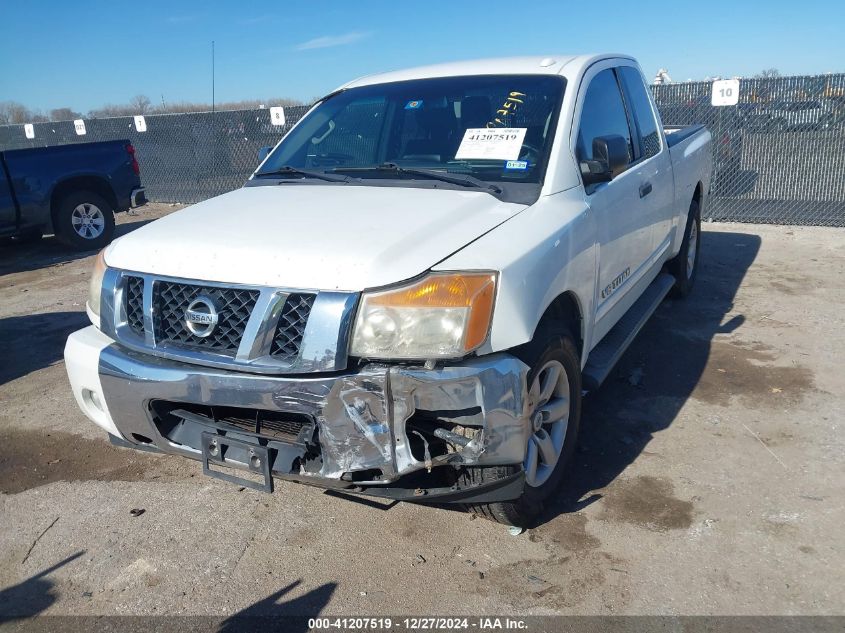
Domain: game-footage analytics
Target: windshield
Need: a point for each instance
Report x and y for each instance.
(495, 128)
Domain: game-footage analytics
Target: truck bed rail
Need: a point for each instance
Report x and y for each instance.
(675, 135)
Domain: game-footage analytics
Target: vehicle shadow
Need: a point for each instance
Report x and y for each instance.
(657, 374)
(33, 595)
(34, 341)
(23, 257)
(290, 616)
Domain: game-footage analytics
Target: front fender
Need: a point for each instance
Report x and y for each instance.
(543, 252)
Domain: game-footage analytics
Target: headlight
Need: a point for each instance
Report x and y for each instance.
(95, 286)
(444, 315)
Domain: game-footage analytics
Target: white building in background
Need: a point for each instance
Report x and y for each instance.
(662, 77)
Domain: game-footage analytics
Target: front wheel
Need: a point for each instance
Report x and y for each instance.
(554, 407)
(84, 221)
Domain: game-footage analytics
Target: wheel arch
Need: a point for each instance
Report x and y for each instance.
(566, 308)
(97, 184)
(683, 218)
(698, 197)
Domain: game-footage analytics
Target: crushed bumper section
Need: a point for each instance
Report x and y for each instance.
(388, 430)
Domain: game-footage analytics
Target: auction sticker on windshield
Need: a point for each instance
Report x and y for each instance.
(503, 143)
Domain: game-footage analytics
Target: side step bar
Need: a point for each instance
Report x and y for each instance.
(606, 354)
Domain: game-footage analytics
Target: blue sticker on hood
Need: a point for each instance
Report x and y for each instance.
(516, 164)
(414, 105)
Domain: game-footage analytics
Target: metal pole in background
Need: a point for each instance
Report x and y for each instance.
(212, 75)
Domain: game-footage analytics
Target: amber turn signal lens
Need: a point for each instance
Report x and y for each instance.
(475, 292)
(96, 282)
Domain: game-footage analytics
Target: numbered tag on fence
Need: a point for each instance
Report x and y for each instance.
(79, 126)
(140, 123)
(725, 92)
(29, 130)
(277, 115)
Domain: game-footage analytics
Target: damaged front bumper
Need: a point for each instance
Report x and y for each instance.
(388, 430)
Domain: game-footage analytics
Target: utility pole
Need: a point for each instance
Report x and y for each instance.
(212, 75)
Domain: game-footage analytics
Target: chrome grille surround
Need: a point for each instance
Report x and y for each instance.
(261, 330)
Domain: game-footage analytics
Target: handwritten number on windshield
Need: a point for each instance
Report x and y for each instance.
(511, 104)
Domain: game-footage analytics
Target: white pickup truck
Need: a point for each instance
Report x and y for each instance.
(412, 292)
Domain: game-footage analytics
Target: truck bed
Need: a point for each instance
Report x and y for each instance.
(675, 135)
(29, 178)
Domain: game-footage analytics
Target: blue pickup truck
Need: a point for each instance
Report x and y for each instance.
(70, 190)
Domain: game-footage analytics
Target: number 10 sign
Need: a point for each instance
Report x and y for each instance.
(725, 92)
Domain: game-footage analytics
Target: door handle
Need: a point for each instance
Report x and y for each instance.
(645, 189)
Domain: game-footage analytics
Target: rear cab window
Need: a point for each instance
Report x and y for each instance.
(642, 111)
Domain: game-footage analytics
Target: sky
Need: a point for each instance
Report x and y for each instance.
(78, 54)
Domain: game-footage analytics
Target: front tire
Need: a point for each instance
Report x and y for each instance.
(84, 221)
(555, 412)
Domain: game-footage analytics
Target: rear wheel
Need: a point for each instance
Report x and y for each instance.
(684, 266)
(85, 220)
(554, 403)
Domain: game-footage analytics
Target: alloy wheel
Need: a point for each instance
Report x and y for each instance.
(88, 221)
(549, 402)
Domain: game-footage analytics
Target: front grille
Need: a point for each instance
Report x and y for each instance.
(182, 319)
(135, 304)
(291, 327)
(234, 307)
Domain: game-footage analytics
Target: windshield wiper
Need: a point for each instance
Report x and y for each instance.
(456, 179)
(308, 173)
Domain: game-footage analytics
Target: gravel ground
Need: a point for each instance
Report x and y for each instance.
(709, 477)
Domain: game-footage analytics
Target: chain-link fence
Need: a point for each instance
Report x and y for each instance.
(183, 157)
(779, 153)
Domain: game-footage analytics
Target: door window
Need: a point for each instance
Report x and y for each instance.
(603, 114)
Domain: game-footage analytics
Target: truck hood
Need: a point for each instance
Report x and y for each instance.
(305, 236)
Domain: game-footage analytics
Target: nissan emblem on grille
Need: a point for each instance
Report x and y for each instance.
(201, 317)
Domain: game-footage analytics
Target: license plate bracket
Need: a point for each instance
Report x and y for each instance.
(256, 459)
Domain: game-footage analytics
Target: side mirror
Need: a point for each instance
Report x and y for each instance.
(610, 158)
(264, 151)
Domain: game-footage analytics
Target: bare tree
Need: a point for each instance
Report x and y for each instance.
(141, 104)
(112, 109)
(246, 104)
(4, 112)
(63, 114)
(14, 112)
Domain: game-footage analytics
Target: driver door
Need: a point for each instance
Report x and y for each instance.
(624, 232)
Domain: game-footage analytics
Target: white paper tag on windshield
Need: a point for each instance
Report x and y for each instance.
(500, 143)
(140, 123)
(79, 126)
(29, 130)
